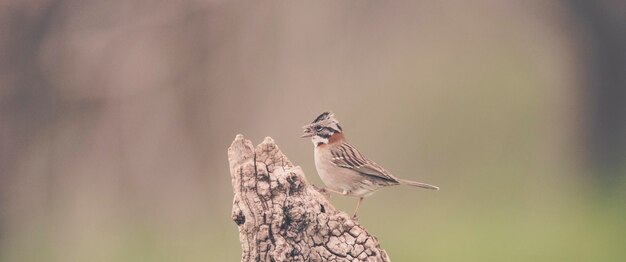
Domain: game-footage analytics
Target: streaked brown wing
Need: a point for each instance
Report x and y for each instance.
(347, 156)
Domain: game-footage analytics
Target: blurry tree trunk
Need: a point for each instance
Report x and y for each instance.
(281, 217)
(603, 23)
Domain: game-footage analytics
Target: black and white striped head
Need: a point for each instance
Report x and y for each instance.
(322, 128)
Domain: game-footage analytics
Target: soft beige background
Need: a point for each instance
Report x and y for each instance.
(117, 116)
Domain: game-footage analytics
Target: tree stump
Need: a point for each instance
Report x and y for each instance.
(282, 217)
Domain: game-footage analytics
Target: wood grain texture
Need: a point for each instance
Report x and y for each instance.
(282, 217)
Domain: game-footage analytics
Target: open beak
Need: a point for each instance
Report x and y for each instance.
(307, 132)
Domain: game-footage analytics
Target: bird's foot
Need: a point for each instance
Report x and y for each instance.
(323, 191)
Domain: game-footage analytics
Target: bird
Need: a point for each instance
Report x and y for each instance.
(343, 168)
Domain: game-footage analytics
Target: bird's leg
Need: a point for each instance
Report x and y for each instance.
(358, 204)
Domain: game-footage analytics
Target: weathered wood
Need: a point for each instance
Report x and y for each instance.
(282, 217)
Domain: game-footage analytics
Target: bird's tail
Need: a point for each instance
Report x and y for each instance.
(417, 184)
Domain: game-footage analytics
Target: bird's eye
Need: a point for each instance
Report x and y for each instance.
(318, 128)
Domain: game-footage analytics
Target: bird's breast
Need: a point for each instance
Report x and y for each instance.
(337, 178)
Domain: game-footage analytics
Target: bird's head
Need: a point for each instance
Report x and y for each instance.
(322, 128)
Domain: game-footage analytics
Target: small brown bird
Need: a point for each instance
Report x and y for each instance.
(342, 167)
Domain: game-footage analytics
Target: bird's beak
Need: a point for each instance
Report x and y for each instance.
(307, 131)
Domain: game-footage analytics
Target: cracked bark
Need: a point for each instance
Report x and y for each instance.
(282, 217)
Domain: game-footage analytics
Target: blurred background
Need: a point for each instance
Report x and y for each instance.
(115, 118)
